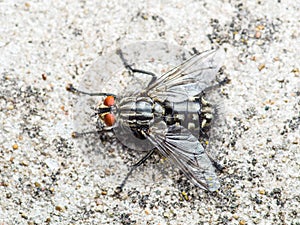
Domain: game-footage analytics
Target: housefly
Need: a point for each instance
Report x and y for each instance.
(168, 115)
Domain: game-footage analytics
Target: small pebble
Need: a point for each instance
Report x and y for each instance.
(185, 196)
(276, 191)
(147, 212)
(166, 215)
(8, 195)
(253, 58)
(256, 220)
(284, 159)
(261, 66)
(44, 76)
(23, 215)
(24, 163)
(107, 172)
(257, 34)
(59, 208)
(272, 154)
(242, 222)
(260, 27)
(10, 107)
(201, 212)
(4, 184)
(99, 208)
(295, 142)
(280, 80)
(99, 201)
(235, 216)
(296, 71)
(37, 184)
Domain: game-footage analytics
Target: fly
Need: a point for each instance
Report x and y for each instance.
(168, 116)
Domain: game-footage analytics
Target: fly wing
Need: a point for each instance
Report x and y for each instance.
(187, 79)
(187, 153)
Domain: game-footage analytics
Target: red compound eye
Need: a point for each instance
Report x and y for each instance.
(109, 119)
(109, 101)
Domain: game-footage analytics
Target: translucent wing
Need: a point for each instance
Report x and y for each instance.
(187, 79)
(186, 152)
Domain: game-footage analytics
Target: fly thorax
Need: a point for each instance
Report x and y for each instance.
(135, 117)
(158, 110)
(136, 112)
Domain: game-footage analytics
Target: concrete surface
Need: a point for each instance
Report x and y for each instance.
(46, 178)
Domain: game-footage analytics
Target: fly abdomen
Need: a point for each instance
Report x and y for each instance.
(192, 114)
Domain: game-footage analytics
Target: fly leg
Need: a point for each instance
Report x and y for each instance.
(136, 165)
(81, 134)
(72, 89)
(217, 165)
(129, 67)
(220, 83)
